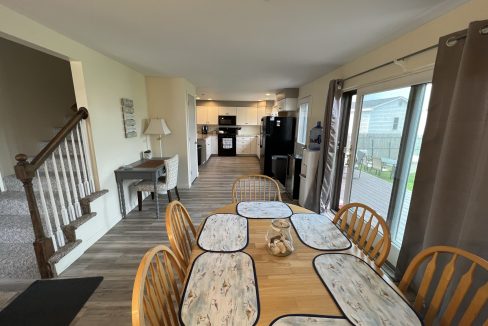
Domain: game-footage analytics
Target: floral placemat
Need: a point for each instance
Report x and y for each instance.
(318, 232)
(264, 209)
(362, 295)
(316, 320)
(221, 290)
(224, 233)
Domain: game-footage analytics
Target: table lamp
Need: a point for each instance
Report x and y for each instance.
(159, 127)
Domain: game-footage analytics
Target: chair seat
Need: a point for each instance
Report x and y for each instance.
(148, 186)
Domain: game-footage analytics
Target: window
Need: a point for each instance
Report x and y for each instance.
(395, 123)
(302, 123)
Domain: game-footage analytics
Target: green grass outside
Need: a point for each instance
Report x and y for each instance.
(386, 175)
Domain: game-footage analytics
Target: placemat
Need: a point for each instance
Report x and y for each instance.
(264, 209)
(224, 233)
(318, 232)
(301, 319)
(362, 295)
(221, 289)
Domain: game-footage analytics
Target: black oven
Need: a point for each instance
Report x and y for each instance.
(227, 120)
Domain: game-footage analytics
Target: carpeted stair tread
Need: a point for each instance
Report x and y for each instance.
(16, 229)
(18, 261)
(13, 203)
(63, 251)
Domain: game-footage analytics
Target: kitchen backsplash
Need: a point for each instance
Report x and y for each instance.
(245, 130)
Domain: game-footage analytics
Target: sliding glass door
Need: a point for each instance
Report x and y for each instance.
(381, 149)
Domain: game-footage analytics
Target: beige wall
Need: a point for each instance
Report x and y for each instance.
(167, 99)
(106, 81)
(418, 39)
(36, 93)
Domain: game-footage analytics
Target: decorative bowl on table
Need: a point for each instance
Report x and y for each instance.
(278, 238)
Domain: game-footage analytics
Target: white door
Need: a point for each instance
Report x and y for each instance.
(192, 139)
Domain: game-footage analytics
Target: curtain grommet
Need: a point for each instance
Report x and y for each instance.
(452, 41)
(484, 30)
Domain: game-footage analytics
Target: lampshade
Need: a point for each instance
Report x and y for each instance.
(157, 127)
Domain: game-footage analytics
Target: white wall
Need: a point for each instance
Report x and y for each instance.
(106, 81)
(167, 98)
(422, 37)
(36, 93)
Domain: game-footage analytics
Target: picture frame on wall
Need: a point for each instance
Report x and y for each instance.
(129, 118)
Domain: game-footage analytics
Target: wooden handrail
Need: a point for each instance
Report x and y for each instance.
(46, 152)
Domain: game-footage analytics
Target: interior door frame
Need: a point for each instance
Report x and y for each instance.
(192, 145)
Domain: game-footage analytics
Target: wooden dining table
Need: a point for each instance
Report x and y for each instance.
(287, 285)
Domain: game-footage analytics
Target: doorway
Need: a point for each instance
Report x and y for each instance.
(378, 151)
(192, 139)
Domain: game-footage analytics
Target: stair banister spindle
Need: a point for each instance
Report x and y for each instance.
(62, 202)
(86, 184)
(45, 213)
(76, 202)
(71, 209)
(58, 231)
(84, 138)
(81, 189)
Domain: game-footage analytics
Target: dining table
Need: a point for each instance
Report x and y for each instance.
(286, 286)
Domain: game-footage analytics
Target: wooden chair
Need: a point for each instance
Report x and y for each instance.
(367, 229)
(166, 185)
(255, 187)
(157, 288)
(180, 230)
(432, 254)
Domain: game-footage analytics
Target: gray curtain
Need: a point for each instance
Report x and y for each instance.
(450, 199)
(319, 196)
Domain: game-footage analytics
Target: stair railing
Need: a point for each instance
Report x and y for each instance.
(64, 176)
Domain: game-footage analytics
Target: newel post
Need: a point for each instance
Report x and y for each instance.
(43, 246)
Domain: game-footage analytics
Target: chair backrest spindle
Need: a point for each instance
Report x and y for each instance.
(255, 187)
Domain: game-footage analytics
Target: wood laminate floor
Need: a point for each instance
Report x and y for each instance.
(117, 254)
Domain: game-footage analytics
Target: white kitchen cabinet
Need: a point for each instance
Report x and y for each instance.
(252, 143)
(201, 115)
(247, 116)
(207, 115)
(287, 104)
(241, 116)
(258, 146)
(227, 110)
(213, 115)
(215, 144)
(208, 146)
(243, 145)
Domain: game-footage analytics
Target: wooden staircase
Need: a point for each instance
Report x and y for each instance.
(59, 189)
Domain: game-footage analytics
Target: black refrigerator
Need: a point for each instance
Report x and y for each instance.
(277, 138)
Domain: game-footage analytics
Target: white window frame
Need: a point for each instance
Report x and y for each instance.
(301, 124)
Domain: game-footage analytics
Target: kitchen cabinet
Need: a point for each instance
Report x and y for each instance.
(261, 113)
(227, 110)
(247, 116)
(212, 115)
(201, 115)
(215, 144)
(287, 104)
(244, 145)
(207, 115)
(208, 146)
(253, 145)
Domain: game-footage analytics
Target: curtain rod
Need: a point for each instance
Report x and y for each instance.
(450, 42)
(392, 62)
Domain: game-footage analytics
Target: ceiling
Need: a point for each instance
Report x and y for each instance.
(234, 49)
